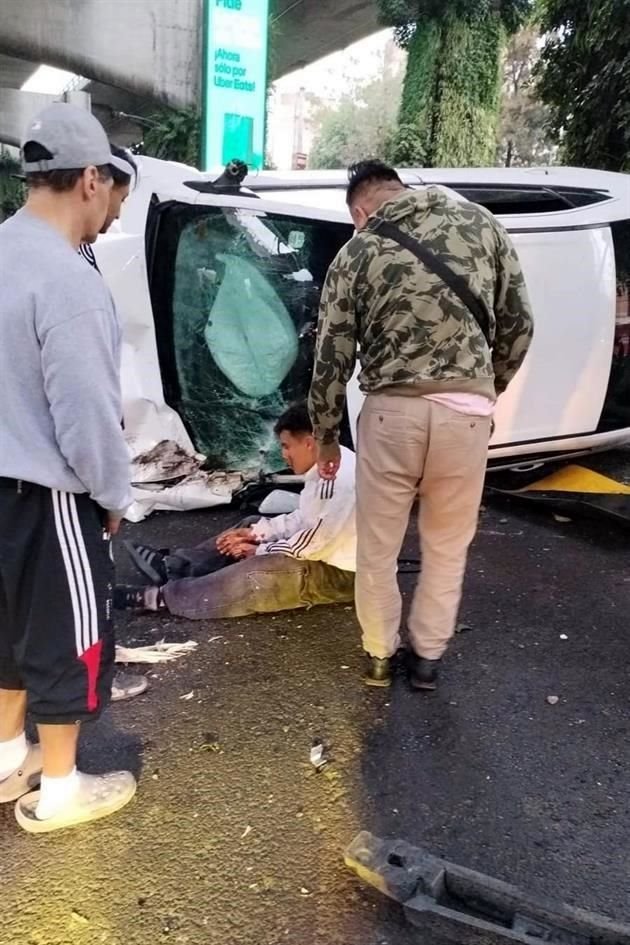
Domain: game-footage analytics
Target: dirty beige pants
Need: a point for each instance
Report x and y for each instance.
(410, 447)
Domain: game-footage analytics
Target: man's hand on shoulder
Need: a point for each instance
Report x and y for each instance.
(328, 460)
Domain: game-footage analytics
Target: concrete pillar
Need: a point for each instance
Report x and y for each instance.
(79, 98)
(16, 109)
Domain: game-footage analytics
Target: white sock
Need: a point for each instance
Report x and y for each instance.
(12, 754)
(151, 598)
(56, 793)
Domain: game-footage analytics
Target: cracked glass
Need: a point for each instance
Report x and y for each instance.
(245, 298)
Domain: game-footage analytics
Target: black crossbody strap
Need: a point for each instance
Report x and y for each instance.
(432, 261)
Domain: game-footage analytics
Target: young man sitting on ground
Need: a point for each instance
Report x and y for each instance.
(297, 560)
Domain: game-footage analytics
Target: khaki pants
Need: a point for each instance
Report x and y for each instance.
(410, 447)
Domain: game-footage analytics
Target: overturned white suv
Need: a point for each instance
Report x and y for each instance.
(218, 284)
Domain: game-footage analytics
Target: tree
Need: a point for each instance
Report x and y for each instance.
(360, 124)
(584, 77)
(450, 103)
(174, 135)
(12, 191)
(523, 135)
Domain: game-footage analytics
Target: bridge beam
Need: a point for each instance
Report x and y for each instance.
(152, 48)
(149, 47)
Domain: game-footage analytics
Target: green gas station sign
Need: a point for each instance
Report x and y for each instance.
(234, 82)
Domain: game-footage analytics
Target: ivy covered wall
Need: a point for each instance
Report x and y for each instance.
(451, 96)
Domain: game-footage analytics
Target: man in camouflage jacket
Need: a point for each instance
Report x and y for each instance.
(431, 379)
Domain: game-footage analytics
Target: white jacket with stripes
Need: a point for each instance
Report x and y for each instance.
(323, 527)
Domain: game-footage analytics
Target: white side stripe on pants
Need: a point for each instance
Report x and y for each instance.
(78, 570)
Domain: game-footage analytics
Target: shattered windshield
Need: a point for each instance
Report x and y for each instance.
(237, 326)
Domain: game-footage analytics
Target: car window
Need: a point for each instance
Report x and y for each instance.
(509, 201)
(616, 411)
(237, 297)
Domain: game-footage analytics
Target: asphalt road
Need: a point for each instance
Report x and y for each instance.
(235, 839)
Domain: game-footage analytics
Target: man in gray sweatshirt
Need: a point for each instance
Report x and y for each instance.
(64, 476)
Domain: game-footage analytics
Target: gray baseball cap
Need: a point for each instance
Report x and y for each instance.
(74, 138)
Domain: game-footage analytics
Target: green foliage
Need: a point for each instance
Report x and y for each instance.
(450, 103)
(465, 125)
(584, 78)
(12, 191)
(413, 143)
(405, 15)
(361, 124)
(174, 135)
(524, 138)
(451, 96)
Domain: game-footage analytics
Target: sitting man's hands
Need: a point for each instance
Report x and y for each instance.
(233, 538)
(244, 549)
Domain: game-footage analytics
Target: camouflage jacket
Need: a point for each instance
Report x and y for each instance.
(413, 333)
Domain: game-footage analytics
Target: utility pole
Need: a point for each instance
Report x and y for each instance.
(298, 162)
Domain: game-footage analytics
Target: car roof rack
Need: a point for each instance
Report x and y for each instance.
(229, 182)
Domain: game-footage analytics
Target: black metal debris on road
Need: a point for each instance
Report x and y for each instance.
(455, 905)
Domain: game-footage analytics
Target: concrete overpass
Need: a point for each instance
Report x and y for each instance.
(149, 51)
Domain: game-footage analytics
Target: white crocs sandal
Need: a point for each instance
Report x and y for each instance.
(98, 795)
(25, 778)
(128, 686)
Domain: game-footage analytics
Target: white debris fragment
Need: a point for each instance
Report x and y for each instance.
(563, 636)
(160, 652)
(553, 700)
(188, 695)
(167, 461)
(319, 754)
(246, 832)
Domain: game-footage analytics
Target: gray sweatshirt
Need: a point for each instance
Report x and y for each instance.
(60, 401)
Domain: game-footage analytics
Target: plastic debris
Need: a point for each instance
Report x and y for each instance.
(463, 628)
(188, 695)
(155, 653)
(319, 754)
(279, 501)
(563, 636)
(167, 461)
(246, 832)
(562, 519)
(553, 700)
(479, 909)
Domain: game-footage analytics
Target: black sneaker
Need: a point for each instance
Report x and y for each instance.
(130, 598)
(379, 672)
(149, 561)
(422, 674)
